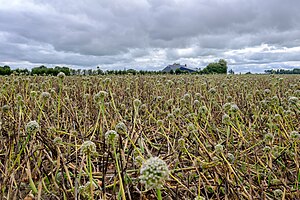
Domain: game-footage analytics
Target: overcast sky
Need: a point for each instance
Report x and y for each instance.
(252, 35)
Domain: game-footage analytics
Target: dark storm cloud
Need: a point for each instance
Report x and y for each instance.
(150, 34)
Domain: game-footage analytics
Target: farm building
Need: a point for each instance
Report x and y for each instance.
(178, 66)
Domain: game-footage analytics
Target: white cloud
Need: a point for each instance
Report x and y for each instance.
(149, 34)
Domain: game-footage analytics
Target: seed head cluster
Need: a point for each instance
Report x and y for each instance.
(137, 103)
(121, 128)
(88, 148)
(45, 95)
(111, 136)
(32, 127)
(154, 172)
(219, 148)
(100, 96)
(5, 108)
(61, 75)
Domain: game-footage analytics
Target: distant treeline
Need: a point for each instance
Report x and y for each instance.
(42, 70)
(219, 67)
(46, 71)
(283, 71)
(213, 68)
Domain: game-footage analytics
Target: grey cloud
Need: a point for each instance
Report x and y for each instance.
(147, 33)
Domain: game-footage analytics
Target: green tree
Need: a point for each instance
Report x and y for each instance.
(131, 71)
(99, 71)
(43, 70)
(5, 70)
(178, 71)
(219, 67)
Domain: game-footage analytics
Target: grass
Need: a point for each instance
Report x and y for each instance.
(222, 137)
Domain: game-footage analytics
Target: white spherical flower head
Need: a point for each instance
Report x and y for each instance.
(275, 99)
(234, 108)
(170, 102)
(160, 123)
(107, 81)
(85, 189)
(5, 108)
(278, 193)
(33, 93)
(277, 117)
(230, 157)
(191, 127)
(267, 91)
(203, 110)
(229, 98)
(137, 103)
(121, 128)
(19, 97)
(57, 140)
(227, 106)
(181, 142)
(269, 137)
(154, 172)
(100, 96)
(197, 103)
(143, 107)
(45, 95)
(219, 148)
(32, 127)
(170, 117)
(187, 97)
(111, 136)
(293, 100)
(267, 149)
(88, 148)
(226, 119)
(199, 198)
(295, 135)
(159, 98)
(86, 96)
(61, 75)
(176, 111)
(212, 91)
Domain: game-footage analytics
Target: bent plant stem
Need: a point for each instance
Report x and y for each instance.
(97, 124)
(41, 111)
(136, 111)
(90, 176)
(119, 174)
(31, 183)
(102, 107)
(21, 151)
(113, 103)
(102, 110)
(59, 101)
(158, 193)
